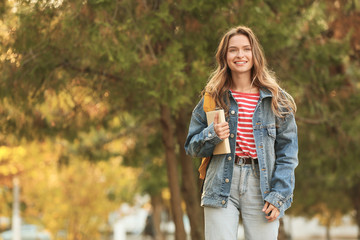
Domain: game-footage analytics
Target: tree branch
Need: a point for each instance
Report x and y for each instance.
(272, 7)
(90, 71)
(311, 121)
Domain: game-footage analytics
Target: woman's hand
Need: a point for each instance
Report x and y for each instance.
(271, 212)
(221, 129)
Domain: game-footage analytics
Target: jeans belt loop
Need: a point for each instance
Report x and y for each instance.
(253, 167)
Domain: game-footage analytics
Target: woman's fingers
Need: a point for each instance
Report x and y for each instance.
(273, 215)
(224, 135)
(271, 212)
(222, 126)
(266, 205)
(222, 129)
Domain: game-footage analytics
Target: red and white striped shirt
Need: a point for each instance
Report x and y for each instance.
(245, 143)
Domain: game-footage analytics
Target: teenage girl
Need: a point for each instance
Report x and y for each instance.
(256, 180)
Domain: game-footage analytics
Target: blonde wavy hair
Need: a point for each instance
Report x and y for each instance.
(220, 80)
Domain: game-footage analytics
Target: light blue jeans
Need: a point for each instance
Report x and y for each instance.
(245, 200)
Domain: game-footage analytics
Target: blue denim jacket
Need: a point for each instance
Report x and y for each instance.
(276, 145)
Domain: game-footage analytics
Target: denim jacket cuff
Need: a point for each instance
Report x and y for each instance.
(276, 199)
(211, 136)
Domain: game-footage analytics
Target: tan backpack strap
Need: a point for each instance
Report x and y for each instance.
(202, 169)
(209, 103)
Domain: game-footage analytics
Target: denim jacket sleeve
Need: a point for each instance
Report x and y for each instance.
(286, 151)
(201, 139)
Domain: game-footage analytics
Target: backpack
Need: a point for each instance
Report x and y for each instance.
(209, 105)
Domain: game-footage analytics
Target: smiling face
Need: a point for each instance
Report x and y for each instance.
(239, 56)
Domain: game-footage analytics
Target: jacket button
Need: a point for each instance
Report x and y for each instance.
(232, 135)
(209, 135)
(258, 123)
(223, 202)
(229, 158)
(232, 112)
(261, 146)
(227, 180)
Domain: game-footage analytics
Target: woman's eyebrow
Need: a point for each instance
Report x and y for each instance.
(241, 46)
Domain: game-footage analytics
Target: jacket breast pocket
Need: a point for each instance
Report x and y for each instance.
(271, 131)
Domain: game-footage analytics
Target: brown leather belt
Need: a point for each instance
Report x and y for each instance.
(245, 160)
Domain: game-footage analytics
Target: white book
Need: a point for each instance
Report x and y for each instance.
(224, 146)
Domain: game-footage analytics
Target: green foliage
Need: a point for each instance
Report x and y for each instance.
(93, 75)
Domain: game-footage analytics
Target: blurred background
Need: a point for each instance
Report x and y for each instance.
(96, 97)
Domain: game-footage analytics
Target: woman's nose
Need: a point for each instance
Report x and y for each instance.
(240, 53)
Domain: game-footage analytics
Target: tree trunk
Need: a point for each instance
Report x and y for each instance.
(282, 234)
(157, 207)
(189, 182)
(355, 196)
(170, 157)
(328, 226)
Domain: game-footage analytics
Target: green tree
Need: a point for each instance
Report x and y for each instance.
(147, 61)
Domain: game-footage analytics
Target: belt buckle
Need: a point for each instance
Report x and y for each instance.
(241, 161)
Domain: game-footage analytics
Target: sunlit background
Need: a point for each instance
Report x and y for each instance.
(96, 97)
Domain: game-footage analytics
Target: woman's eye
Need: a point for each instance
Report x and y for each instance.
(247, 49)
(232, 50)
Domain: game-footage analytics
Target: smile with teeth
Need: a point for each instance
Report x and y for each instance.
(240, 62)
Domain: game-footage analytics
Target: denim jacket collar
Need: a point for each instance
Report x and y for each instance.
(264, 93)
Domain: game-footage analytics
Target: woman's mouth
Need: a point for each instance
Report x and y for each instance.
(240, 63)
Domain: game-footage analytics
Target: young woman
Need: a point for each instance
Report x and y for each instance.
(256, 180)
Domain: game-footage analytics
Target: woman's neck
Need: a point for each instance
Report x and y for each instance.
(242, 83)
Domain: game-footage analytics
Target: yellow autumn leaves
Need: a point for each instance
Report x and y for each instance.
(71, 199)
